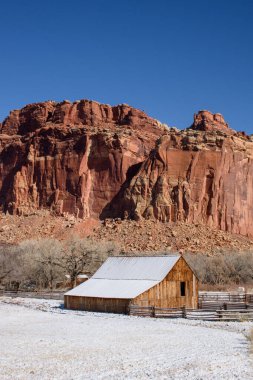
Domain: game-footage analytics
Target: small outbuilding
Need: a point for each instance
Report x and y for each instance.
(80, 278)
(161, 281)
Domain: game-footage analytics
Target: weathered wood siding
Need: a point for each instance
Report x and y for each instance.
(168, 292)
(109, 305)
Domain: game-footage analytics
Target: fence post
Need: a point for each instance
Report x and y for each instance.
(153, 311)
(183, 312)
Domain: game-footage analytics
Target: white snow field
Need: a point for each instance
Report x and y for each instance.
(40, 340)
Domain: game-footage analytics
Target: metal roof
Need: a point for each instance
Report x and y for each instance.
(126, 277)
(104, 288)
(136, 268)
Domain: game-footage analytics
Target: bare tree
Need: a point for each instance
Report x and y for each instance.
(41, 261)
(6, 266)
(9, 263)
(84, 255)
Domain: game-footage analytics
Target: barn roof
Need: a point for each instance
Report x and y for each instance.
(136, 268)
(126, 277)
(103, 288)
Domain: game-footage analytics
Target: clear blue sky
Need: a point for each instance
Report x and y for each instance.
(169, 58)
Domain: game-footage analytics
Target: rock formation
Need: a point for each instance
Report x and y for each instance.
(206, 121)
(71, 157)
(197, 176)
(94, 160)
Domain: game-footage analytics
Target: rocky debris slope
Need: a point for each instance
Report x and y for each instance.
(43, 225)
(148, 236)
(128, 235)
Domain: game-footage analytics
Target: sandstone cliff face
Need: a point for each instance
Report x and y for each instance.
(70, 157)
(197, 177)
(94, 160)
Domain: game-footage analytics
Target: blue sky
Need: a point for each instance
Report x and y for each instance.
(168, 58)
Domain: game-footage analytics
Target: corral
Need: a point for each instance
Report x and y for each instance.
(161, 281)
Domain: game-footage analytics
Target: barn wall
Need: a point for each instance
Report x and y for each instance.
(108, 305)
(167, 293)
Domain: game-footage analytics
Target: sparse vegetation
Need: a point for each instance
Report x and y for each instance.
(79, 254)
(9, 262)
(251, 341)
(224, 268)
(44, 263)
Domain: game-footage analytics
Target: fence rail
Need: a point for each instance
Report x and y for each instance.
(235, 315)
(39, 294)
(197, 314)
(212, 306)
(225, 297)
(217, 300)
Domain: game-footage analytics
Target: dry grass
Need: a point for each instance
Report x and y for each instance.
(251, 341)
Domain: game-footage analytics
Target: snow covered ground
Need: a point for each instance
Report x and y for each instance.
(40, 340)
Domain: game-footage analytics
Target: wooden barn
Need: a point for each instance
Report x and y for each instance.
(162, 281)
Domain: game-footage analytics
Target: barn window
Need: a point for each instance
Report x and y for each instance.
(182, 289)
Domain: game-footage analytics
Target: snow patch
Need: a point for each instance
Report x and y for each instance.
(41, 340)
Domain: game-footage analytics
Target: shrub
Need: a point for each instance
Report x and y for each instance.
(41, 262)
(44, 263)
(9, 263)
(223, 268)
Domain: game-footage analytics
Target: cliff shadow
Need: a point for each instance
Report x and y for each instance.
(116, 207)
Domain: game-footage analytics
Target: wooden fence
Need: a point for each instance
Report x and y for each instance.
(40, 294)
(225, 297)
(212, 306)
(197, 314)
(224, 300)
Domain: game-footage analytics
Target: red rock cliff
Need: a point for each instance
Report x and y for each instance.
(71, 157)
(198, 176)
(92, 159)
